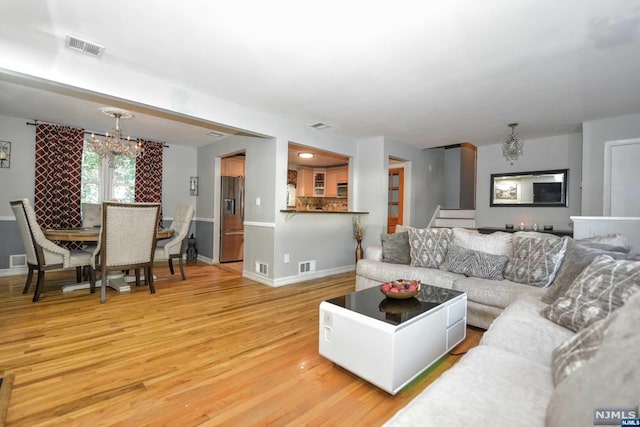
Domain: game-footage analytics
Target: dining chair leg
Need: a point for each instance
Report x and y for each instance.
(149, 273)
(182, 268)
(171, 265)
(92, 280)
(138, 276)
(39, 285)
(78, 274)
(103, 287)
(27, 285)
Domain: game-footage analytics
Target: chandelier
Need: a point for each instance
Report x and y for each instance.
(114, 143)
(512, 145)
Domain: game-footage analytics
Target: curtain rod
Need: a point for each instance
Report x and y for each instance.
(36, 122)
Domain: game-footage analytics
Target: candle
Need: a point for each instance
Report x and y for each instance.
(522, 226)
(3, 155)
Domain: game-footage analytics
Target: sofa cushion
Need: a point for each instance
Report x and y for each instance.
(474, 263)
(496, 293)
(498, 243)
(395, 248)
(535, 259)
(488, 387)
(429, 246)
(521, 330)
(610, 378)
(577, 350)
(598, 290)
(385, 272)
(577, 257)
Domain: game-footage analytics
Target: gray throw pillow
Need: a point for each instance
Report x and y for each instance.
(395, 248)
(474, 263)
(576, 259)
(598, 290)
(535, 259)
(608, 242)
(428, 246)
(579, 349)
(610, 378)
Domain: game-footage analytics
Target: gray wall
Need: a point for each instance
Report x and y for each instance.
(595, 134)
(467, 177)
(556, 152)
(451, 180)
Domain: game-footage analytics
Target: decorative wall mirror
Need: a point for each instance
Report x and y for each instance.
(530, 189)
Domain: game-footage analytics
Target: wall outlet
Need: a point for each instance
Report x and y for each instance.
(286, 258)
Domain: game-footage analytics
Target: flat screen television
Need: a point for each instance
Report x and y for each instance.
(547, 192)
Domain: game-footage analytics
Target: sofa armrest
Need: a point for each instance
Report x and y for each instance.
(374, 253)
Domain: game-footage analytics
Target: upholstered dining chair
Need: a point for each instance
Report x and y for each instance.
(91, 214)
(175, 247)
(42, 253)
(127, 241)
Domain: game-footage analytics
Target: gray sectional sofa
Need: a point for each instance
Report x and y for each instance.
(556, 348)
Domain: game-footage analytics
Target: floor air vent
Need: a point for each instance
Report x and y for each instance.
(306, 267)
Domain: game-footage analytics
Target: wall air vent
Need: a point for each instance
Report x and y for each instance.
(306, 267)
(83, 46)
(262, 268)
(320, 125)
(215, 134)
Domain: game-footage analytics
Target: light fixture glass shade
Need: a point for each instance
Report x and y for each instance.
(512, 145)
(115, 143)
(305, 155)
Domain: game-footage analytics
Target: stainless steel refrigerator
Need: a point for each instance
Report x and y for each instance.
(232, 219)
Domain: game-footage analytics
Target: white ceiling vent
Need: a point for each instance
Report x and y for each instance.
(83, 46)
(215, 134)
(320, 125)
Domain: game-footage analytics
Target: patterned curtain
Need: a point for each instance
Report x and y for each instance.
(58, 176)
(149, 175)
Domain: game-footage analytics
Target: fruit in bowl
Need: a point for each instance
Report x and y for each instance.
(401, 289)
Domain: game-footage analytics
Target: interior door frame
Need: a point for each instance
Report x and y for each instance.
(609, 146)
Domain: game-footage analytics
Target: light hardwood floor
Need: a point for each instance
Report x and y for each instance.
(216, 349)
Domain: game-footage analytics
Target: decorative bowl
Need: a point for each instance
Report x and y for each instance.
(401, 289)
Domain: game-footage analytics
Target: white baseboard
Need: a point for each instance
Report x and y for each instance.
(13, 271)
(315, 275)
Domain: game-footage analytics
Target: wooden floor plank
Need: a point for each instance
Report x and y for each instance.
(216, 349)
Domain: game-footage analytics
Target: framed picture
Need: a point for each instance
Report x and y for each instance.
(5, 154)
(506, 191)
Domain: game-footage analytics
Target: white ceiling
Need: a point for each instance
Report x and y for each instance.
(428, 73)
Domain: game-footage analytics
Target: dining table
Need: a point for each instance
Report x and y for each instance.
(88, 235)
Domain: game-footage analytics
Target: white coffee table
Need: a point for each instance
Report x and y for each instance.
(390, 342)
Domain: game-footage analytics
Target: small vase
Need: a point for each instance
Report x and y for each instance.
(359, 250)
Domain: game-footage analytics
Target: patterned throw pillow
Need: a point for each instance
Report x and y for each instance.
(428, 246)
(577, 350)
(601, 288)
(395, 248)
(535, 260)
(577, 257)
(498, 243)
(474, 263)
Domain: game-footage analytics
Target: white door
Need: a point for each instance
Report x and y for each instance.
(621, 178)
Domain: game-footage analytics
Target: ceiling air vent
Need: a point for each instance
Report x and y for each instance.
(320, 125)
(215, 134)
(83, 46)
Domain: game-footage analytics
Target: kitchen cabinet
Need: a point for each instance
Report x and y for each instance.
(319, 182)
(304, 187)
(232, 166)
(336, 176)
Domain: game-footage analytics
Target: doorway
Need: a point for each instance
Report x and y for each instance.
(232, 194)
(395, 199)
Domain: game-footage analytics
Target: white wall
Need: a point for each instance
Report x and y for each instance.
(596, 133)
(556, 152)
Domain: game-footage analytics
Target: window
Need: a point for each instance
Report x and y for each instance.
(101, 183)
